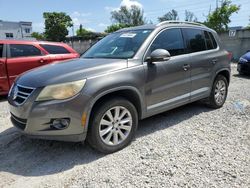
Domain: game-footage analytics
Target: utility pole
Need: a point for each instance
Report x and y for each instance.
(73, 34)
(217, 4)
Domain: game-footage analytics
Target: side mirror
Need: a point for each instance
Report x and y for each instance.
(159, 55)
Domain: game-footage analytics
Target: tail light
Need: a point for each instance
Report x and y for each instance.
(230, 56)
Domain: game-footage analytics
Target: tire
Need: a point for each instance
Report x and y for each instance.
(218, 95)
(105, 119)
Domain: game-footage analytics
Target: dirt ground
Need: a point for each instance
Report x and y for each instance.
(192, 146)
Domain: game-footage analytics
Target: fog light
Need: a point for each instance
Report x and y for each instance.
(60, 124)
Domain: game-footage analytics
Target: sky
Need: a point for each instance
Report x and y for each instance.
(95, 14)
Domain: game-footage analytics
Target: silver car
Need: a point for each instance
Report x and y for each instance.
(129, 75)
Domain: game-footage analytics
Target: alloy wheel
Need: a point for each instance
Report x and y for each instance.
(115, 125)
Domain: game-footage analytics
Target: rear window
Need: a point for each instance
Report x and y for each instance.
(209, 41)
(54, 49)
(1, 50)
(213, 40)
(195, 40)
(24, 50)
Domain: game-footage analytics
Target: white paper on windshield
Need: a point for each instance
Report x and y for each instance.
(128, 35)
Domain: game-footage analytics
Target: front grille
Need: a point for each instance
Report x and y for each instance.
(21, 93)
(18, 122)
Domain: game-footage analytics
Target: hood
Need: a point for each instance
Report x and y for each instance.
(68, 71)
(246, 56)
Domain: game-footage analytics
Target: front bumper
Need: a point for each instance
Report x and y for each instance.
(34, 119)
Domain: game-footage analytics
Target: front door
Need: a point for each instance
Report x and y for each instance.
(168, 83)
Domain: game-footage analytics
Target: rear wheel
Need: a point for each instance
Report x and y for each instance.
(219, 92)
(113, 125)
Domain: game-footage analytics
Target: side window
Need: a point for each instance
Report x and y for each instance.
(209, 41)
(171, 40)
(54, 49)
(1, 50)
(24, 50)
(195, 40)
(213, 40)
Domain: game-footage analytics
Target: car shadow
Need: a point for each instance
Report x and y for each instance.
(3, 98)
(30, 157)
(242, 76)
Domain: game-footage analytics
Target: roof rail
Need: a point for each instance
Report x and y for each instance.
(179, 22)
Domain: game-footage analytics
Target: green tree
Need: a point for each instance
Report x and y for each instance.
(56, 24)
(114, 27)
(38, 36)
(81, 32)
(171, 15)
(220, 17)
(132, 16)
(190, 17)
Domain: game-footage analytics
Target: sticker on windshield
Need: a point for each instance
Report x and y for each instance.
(128, 35)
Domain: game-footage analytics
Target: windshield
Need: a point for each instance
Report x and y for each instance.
(121, 45)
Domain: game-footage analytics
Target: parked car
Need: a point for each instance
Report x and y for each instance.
(243, 66)
(129, 75)
(17, 57)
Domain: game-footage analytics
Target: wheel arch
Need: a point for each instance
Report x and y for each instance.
(224, 72)
(129, 93)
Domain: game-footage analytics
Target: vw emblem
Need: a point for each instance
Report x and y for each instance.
(15, 93)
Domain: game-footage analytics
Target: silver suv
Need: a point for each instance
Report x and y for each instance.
(129, 75)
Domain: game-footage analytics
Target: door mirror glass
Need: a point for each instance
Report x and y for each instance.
(159, 55)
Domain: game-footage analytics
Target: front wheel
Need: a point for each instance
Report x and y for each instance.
(113, 125)
(219, 92)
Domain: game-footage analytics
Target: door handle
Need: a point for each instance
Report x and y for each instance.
(42, 61)
(186, 67)
(214, 61)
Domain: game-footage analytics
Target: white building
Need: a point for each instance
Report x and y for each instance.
(15, 30)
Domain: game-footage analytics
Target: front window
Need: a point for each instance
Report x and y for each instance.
(120, 45)
(24, 50)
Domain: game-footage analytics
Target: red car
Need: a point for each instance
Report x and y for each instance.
(17, 57)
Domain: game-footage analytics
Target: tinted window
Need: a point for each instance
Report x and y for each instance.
(170, 40)
(1, 50)
(195, 40)
(24, 50)
(213, 40)
(209, 41)
(54, 49)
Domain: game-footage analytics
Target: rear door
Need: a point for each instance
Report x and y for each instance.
(4, 83)
(24, 57)
(201, 49)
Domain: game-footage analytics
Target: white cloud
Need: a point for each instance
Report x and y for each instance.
(126, 3)
(79, 21)
(109, 9)
(79, 18)
(129, 3)
(102, 25)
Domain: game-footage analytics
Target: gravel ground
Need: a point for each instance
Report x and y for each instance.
(192, 146)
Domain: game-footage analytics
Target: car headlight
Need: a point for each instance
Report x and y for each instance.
(243, 60)
(61, 91)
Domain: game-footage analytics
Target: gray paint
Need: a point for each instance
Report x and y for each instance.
(159, 86)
